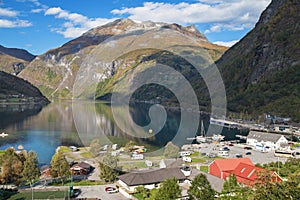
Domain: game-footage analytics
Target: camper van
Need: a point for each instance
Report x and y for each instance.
(223, 153)
(187, 159)
(137, 156)
(185, 153)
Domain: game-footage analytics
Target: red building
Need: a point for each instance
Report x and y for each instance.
(243, 168)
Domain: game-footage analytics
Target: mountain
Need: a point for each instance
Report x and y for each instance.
(13, 60)
(15, 89)
(55, 71)
(261, 72)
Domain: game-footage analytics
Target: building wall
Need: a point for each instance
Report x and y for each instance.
(281, 140)
(251, 141)
(214, 170)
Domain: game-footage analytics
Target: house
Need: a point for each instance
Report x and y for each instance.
(81, 168)
(283, 128)
(245, 171)
(223, 168)
(264, 141)
(149, 179)
(247, 174)
(152, 178)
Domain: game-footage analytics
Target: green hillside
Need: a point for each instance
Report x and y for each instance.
(261, 72)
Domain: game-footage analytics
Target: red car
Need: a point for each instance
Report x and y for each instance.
(110, 190)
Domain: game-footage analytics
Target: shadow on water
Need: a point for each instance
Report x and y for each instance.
(14, 113)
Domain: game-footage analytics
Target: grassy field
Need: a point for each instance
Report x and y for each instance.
(38, 195)
(87, 154)
(64, 149)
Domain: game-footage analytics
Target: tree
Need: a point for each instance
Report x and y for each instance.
(129, 145)
(31, 170)
(171, 150)
(142, 190)
(108, 167)
(201, 189)
(169, 189)
(95, 146)
(230, 185)
(12, 167)
(59, 166)
(232, 190)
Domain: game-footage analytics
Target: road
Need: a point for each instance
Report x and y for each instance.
(98, 191)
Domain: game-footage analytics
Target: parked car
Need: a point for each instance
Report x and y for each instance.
(211, 155)
(238, 155)
(226, 149)
(248, 153)
(248, 148)
(230, 144)
(110, 190)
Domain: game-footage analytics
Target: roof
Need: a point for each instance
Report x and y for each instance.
(247, 174)
(84, 165)
(264, 136)
(151, 176)
(215, 182)
(247, 171)
(231, 163)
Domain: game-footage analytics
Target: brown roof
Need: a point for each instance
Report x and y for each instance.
(84, 165)
(151, 176)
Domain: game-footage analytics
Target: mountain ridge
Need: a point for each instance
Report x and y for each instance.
(57, 68)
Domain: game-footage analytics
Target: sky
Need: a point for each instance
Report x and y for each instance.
(40, 25)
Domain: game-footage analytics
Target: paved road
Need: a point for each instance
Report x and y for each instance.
(98, 191)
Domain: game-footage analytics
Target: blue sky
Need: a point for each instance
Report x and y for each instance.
(40, 25)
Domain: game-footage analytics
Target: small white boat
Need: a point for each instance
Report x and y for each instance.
(201, 139)
(3, 134)
(217, 137)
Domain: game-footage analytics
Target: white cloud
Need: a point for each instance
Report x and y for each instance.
(14, 24)
(37, 10)
(231, 14)
(76, 24)
(8, 13)
(226, 43)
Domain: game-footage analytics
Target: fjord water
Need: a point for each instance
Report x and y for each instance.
(44, 129)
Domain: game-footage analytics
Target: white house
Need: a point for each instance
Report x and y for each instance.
(264, 141)
(151, 179)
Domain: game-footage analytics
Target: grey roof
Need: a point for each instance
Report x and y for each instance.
(264, 136)
(151, 176)
(215, 182)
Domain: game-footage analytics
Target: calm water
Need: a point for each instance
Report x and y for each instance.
(64, 123)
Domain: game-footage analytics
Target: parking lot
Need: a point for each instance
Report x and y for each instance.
(97, 191)
(256, 156)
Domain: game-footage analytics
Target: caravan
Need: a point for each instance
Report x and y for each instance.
(223, 153)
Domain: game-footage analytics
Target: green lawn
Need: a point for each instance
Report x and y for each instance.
(64, 149)
(39, 195)
(87, 155)
(204, 168)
